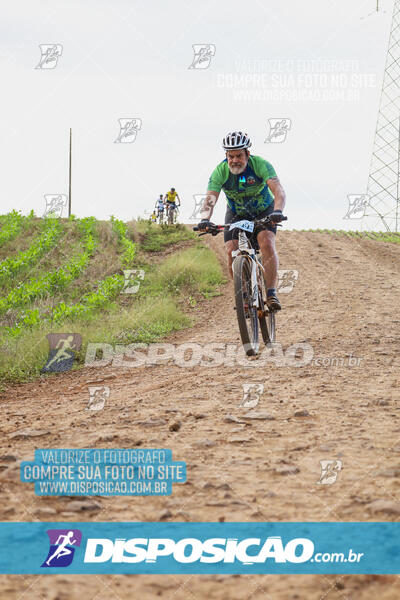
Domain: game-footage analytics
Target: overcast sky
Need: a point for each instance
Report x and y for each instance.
(318, 63)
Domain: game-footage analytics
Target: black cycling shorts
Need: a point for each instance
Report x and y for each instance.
(231, 217)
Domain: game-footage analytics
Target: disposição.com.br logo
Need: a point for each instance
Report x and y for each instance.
(186, 550)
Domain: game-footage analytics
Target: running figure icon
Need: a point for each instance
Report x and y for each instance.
(62, 350)
(62, 549)
(63, 544)
(62, 347)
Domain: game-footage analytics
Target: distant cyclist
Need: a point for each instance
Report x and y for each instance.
(153, 217)
(247, 181)
(172, 198)
(159, 205)
(171, 201)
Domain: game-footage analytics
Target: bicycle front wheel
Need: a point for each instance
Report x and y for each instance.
(247, 314)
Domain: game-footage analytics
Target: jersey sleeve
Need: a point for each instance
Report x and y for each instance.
(217, 178)
(263, 168)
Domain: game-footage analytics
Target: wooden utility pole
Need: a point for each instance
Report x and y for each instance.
(70, 162)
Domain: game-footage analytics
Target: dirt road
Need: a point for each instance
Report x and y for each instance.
(239, 469)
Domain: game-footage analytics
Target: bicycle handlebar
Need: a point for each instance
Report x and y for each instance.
(215, 229)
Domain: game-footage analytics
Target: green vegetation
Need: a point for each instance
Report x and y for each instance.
(20, 263)
(107, 289)
(379, 236)
(126, 244)
(55, 280)
(154, 237)
(76, 284)
(195, 270)
(12, 223)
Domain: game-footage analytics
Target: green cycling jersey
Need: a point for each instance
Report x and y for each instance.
(247, 192)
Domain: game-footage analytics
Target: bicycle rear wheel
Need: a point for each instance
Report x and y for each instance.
(266, 317)
(246, 313)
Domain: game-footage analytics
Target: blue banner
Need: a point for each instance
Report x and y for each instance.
(200, 548)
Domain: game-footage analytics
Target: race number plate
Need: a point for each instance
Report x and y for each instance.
(245, 225)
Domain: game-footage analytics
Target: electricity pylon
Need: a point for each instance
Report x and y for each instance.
(384, 176)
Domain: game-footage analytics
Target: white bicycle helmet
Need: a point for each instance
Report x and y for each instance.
(236, 140)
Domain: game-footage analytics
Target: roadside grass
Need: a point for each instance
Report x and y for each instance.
(22, 360)
(170, 289)
(194, 270)
(154, 237)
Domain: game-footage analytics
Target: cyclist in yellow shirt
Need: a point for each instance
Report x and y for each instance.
(171, 199)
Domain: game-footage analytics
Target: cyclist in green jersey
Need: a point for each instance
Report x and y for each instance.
(247, 181)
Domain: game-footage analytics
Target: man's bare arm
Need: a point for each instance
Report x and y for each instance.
(279, 193)
(208, 204)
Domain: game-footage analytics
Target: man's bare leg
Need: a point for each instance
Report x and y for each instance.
(266, 241)
(230, 246)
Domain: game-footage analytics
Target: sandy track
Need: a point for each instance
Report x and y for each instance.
(345, 302)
